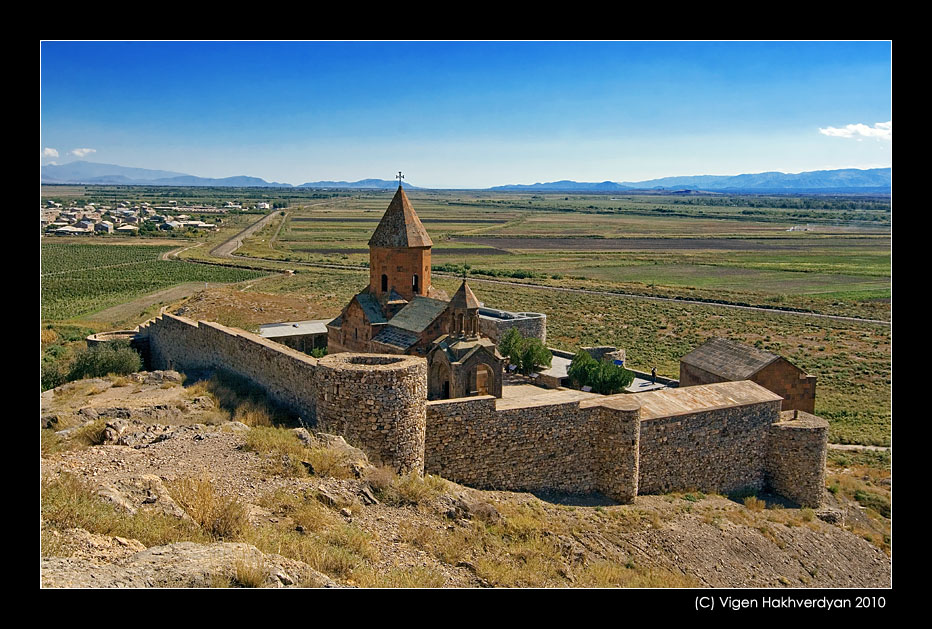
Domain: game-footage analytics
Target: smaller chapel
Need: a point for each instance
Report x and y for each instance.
(400, 312)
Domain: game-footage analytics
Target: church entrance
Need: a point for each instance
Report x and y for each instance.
(438, 381)
(483, 379)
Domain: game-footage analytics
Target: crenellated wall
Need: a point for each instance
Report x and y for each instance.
(287, 375)
(563, 447)
(718, 437)
(719, 450)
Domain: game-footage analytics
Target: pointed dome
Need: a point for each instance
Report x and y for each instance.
(464, 298)
(400, 227)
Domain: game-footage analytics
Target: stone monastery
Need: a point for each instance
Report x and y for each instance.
(414, 379)
(400, 312)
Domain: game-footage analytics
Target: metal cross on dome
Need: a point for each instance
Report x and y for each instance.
(399, 177)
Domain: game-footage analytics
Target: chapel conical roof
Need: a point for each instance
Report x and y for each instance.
(400, 227)
(464, 298)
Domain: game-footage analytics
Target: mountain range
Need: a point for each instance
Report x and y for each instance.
(879, 180)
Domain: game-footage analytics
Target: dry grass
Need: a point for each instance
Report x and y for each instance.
(66, 502)
(407, 489)
(89, 435)
(413, 577)
(754, 503)
(221, 518)
(250, 573)
(610, 574)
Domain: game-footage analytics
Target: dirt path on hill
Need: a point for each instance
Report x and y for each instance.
(167, 296)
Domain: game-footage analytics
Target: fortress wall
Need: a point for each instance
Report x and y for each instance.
(534, 326)
(286, 375)
(559, 447)
(796, 452)
(378, 403)
(715, 450)
(615, 428)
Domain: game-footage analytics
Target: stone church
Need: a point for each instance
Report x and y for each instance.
(400, 312)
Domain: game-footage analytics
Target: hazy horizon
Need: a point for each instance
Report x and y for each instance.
(467, 114)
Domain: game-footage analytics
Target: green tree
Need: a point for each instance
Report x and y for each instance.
(116, 357)
(604, 378)
(508, 342)
(526, 354)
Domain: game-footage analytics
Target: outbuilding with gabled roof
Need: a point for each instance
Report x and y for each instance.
(724, 360)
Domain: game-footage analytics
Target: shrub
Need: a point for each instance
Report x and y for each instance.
(527, 354)
(107, 358)
(220, 518)
(604, 378)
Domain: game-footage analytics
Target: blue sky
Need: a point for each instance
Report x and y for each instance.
(467, 114)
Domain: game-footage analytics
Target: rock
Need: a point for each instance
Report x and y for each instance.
(113, 430)
(89, 413)
(366, 495)
(144, 491)
(346, 513)
(202, 402)
(303, 436)
(234, 427)
(183, 564)
(112, 495)
(327, 498)
(832, 516)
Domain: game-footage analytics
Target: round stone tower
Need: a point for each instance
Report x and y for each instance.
(378, 403)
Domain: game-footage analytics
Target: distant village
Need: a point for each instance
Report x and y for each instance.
(129, 219)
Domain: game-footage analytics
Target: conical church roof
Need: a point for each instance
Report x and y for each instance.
(464, 298)
(400, 227)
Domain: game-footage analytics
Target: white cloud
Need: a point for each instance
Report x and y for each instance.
(83, 152)
(880, 130)
(47, 152)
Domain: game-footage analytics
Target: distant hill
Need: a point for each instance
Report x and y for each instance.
(847, 180)
(567, 186)
(81, 172)
(842, 180)
(770, 181)
(362, 183)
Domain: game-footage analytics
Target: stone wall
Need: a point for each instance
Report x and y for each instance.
(495, 323)
(287, 376)
(717, 438)
(796, 464)
(378, 403)
(791, 383)
(559, 447)
(716, 450)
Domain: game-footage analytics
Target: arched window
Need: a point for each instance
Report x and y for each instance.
(384, 283)
(414, 283)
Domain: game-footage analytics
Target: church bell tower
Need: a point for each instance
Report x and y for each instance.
(399, 252)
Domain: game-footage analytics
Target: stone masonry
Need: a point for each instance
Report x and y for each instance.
(378, 403)
(796, 459)
(717, 437)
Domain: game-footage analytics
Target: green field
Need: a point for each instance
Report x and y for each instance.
(80, 279)
(720, 248)
(736, 250)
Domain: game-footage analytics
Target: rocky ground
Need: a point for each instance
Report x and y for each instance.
(131, 466)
